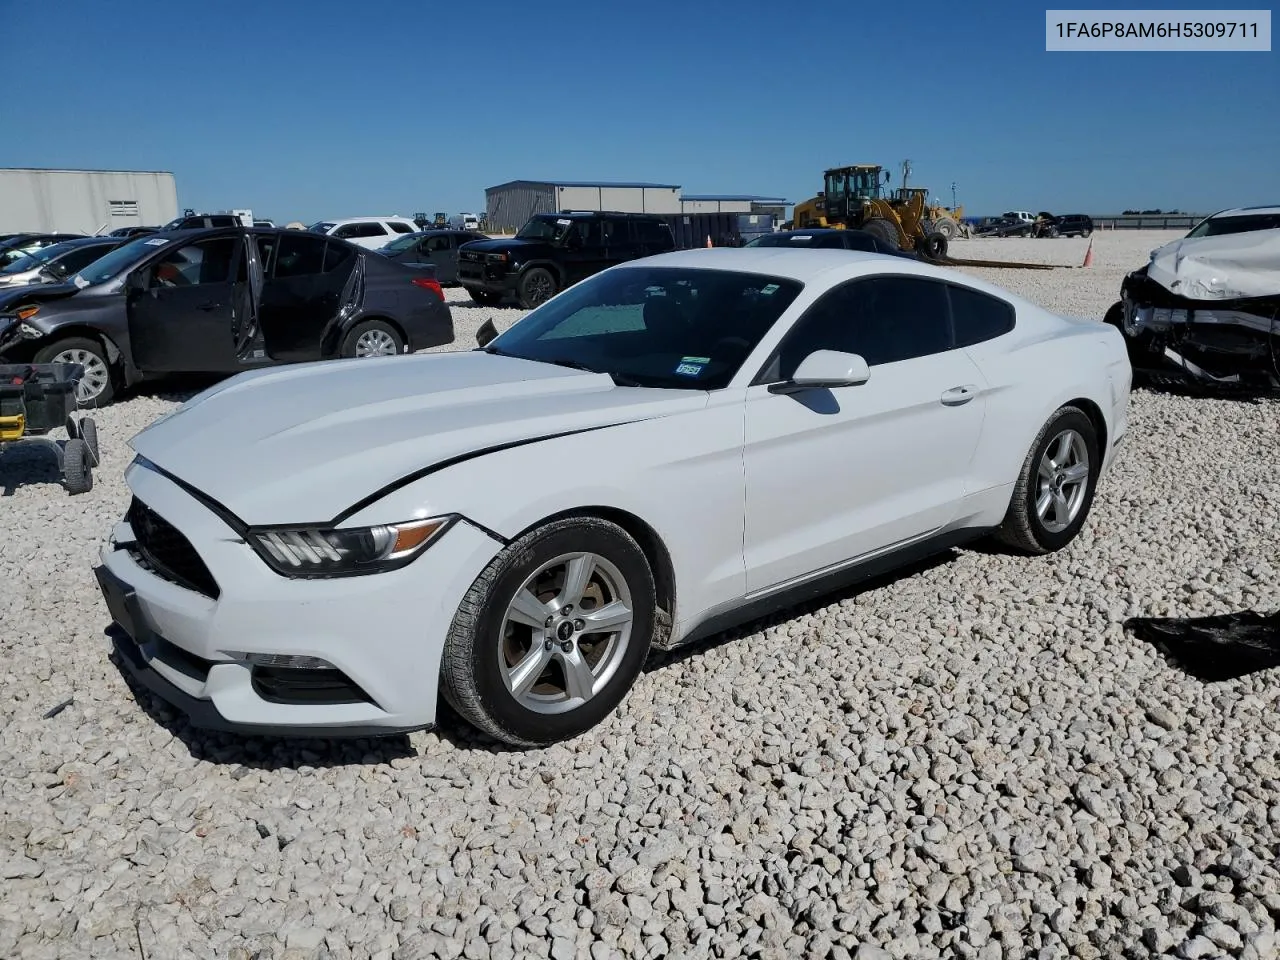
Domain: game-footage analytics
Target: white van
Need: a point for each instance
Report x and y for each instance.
(465, 221)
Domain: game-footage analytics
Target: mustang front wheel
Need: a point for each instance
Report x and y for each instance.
(1056, 485)
(553, 634)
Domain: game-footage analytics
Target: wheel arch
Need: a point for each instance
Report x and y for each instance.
(549, 265)
(1094, 412)
(651, 544)
(116, 358)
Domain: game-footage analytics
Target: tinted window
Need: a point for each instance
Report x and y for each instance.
(81, 258)
(436, 244)
(649, 231)
(977, 316)
(1219, 226)
(299, 255)
(883, 319)
(397, 227)
(202, 262)
(365, 229)
(588, 232)
(656, 326)
(337, 256)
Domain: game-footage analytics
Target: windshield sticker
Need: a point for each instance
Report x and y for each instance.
(564, 223)
(157, 242)
(691, 366)
(769, 288)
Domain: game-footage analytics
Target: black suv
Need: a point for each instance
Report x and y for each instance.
(1073, 225)
(556, 250)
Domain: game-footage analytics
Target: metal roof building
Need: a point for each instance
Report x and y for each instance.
(84, 201)
(510, 205)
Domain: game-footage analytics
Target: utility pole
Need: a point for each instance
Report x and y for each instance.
(953, 194)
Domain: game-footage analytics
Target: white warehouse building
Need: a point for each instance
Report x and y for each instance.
(508, 206)
(84, 201)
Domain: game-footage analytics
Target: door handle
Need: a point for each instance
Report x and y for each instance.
(959, 395)
(209, 306)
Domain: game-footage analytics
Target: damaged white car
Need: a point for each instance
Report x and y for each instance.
(1205, 311)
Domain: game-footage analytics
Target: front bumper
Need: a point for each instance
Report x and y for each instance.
(384, 633)
(486, 276)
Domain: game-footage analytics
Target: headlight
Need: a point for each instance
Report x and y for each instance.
(349, 551)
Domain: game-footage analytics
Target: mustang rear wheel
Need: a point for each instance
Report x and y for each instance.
(1056, 485)
(552, 634)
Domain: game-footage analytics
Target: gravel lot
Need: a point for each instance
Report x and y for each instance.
(970, 760)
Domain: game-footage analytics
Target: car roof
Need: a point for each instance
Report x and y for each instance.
(340, 220)
(804, 264)
(1243, 211)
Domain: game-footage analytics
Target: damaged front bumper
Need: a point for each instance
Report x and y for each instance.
(1230, 345)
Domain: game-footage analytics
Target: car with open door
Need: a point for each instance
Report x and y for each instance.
(222, 300)
(667, 448)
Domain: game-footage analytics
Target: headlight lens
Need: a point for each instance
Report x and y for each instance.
(350, 551)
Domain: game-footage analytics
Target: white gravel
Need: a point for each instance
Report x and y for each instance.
(973, 760)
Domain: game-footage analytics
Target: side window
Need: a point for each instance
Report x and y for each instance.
(977, 316)
(397, 227)
(196, 264)
(299, 256)
(266, 247)
(882, 319)
(613, 232)
(337, 256)
(588, 231)
(437, 244)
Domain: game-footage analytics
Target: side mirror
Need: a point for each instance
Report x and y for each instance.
(825, 370)
(487, 333)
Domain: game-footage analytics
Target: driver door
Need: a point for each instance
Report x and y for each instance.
(182, 321)
(838, 474)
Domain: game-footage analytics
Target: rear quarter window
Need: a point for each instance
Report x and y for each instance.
(978, 317)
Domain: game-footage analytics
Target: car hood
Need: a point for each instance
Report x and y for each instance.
(498, 246)
(304, 443)
(1228, 267)
(11, 295)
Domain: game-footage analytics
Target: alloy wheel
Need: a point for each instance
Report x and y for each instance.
(1062, 481)
(565, 633)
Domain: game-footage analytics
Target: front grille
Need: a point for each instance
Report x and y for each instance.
(306, 687)
(167, 552)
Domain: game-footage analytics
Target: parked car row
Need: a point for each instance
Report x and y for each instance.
(221, 300)
(1020, 223)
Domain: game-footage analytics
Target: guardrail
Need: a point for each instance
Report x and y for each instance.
(1149, 221)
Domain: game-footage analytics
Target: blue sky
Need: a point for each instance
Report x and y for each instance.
(303, 109)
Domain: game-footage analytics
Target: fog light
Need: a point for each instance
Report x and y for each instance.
(284, 661)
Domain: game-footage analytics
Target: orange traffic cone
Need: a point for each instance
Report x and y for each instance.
(1088, 256)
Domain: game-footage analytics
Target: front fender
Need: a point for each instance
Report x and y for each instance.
(682, 475)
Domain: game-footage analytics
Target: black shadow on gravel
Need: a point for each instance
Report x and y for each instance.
(249, 753)
(661, 659)
(28, 465)
(1216, 648)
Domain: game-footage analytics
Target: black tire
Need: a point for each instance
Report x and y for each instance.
(471, 677)
(87, 430)
(385, 332)
(932, 246)
(484, 297)
(77, 468)
(537, 286)
(1087, 232)
(97, 354)
(882, 230)
(1023, 528)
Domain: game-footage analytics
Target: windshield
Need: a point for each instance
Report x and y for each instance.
(104, 268)
(15, 255)
(1220, 226)
(321, 227)
(544, 229)
(675, 327)
(401, 243)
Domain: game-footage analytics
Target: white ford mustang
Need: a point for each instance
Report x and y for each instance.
(672, 446)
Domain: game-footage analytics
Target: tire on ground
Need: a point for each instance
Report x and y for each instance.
(537, 286)
(1023, 528)
(77, 467)
(471, 673)
(360, 329)
(85, 344)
